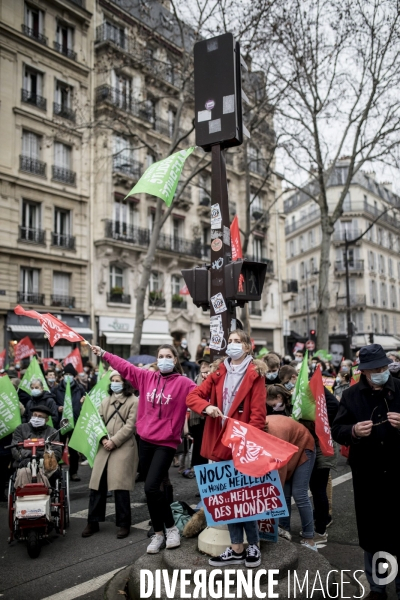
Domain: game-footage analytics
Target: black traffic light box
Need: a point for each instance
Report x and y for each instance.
(218, 92)
(313, 335)
(198, 285)
(244, 280)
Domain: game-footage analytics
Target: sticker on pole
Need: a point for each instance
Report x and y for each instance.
(218, 303)
(216, 217)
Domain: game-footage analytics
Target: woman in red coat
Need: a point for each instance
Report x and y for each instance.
(236, 389)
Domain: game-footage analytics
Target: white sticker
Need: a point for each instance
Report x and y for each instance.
(214, 126)
(212, 45)
(227, 236)
(217, 264)
(216, 234)
(203, 115)
(218, 303)
(216, 324)
(216, 341)
(216, 217)
(228, 104)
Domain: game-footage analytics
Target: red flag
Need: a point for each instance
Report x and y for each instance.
(65, 454)
(53, 327)
(47, 362)
(255, 452)
(322, 428)
(23, 349)
(2, 359)
(236, 244)
(75, 359)
(184, 291)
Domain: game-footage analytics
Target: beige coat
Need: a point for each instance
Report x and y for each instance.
(122, 462)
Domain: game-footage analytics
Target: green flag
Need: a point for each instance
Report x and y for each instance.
(33, 372)
(100, 390)
(10, 415)
(303, 400)
(323, 355)
(68, 412)
(101, 370)
(89, 430)
(162, 177)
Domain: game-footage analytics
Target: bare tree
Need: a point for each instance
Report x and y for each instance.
(333, 67)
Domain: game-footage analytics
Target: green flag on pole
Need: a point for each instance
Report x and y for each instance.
(100, 390)
(33, 372)
(10, 414)
(162, 177)
(89, 430)
(303, 401)
(101, 370)
(68, 412)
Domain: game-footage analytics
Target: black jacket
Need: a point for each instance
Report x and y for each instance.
(26, 432)
(77, 392)
(374, 461)
(47, 399)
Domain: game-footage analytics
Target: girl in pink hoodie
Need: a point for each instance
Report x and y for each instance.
(160, 419)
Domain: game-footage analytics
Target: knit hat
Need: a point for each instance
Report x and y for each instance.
(69, 368)
(113, 373)
(42, 408)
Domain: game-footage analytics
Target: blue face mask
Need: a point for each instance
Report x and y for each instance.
(69, 378)
(272, 376)
(380, 378)
(35, 392)
(289, 385)
(165, 365)
(117, 387)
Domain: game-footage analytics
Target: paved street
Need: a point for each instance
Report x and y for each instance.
(71, 561)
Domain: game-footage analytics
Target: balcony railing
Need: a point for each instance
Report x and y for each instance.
(163, 127)
(30, 298)
(130, 167)
(340, 236)
(32, 235)
(59, 300)
(119, 298)
(63, 111)
(178, 303)
(32, 165)
(33, 99)
(356, 301)
(122, 100)
(64, 50)
(63, 240)
(141, 237)
(312, 216)
(63, 175)
(156, 300)
(106, 33)
(354, 265)
(34, 34)
(290, 286)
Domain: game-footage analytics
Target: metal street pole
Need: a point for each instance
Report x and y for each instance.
(308, 306)
(348, 307)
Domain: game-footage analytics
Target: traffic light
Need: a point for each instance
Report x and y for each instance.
(218, 92)
(197, 282)
(244, 280)
(313, 335)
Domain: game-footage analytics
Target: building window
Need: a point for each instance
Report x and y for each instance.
(155, 282)
(30, 223)
(385, 324)
(30, 157)
(390, 267)
(257, 249)
(29, 286)
(291, 246)
(171, 121)
(64, 42)
(256, 205)
(125, 216)
(302, 270)
(342, 323)
(34, 23)
(380, 236)
(372, 261)
(151, 110)
(116, 280)
(383, 294)
(373, 292)
(122, 87)
(393, 296)
(381, 264)
(114, 33)
(176, 284)
(311, 240)
(62, 229)
(61, 290)
(204, 190)
(32, 91)
(63, 101)
(62, 164)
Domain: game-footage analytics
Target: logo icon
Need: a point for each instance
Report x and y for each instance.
(384, 564)
(210, 104)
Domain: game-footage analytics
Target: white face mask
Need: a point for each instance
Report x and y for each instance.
(166, 365)
(279, 407)
(37, 422)
(235, 350)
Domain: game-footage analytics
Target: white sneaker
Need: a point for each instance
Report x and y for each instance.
(157, 543)
(173, 537)
(284, 534)
(84, 463)
(305, 542)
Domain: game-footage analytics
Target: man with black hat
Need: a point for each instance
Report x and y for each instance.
(36, 428)
(368, 421)
(78, 392)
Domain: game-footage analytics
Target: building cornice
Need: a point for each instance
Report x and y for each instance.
(30, 184)
(45, 255)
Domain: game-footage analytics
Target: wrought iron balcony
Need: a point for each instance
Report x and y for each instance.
(59, 300)
(340, 236)
(314, 215)
(64, 50)
(32, 165)
(63, 111)
(34, 34)
(123, 101)
(30, 298)
(62, 240)
(127, 233)
(164, 127)
(290, 286)
(180, 245)
(32, 235)
(119, 298)
(106, 33)
(63, 175)
(356, 301)
(178, 302)
(156, 300)
(34, 99)
(354, 266)
(130, 167)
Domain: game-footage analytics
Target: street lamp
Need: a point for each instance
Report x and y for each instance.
(307, 302)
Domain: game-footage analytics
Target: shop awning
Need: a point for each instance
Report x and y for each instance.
(36, 329)
(388, 342)
(148, 339)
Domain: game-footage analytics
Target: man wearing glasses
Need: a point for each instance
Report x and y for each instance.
(368, 421)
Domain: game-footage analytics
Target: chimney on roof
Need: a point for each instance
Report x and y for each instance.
(372, 174)
(388, 185)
